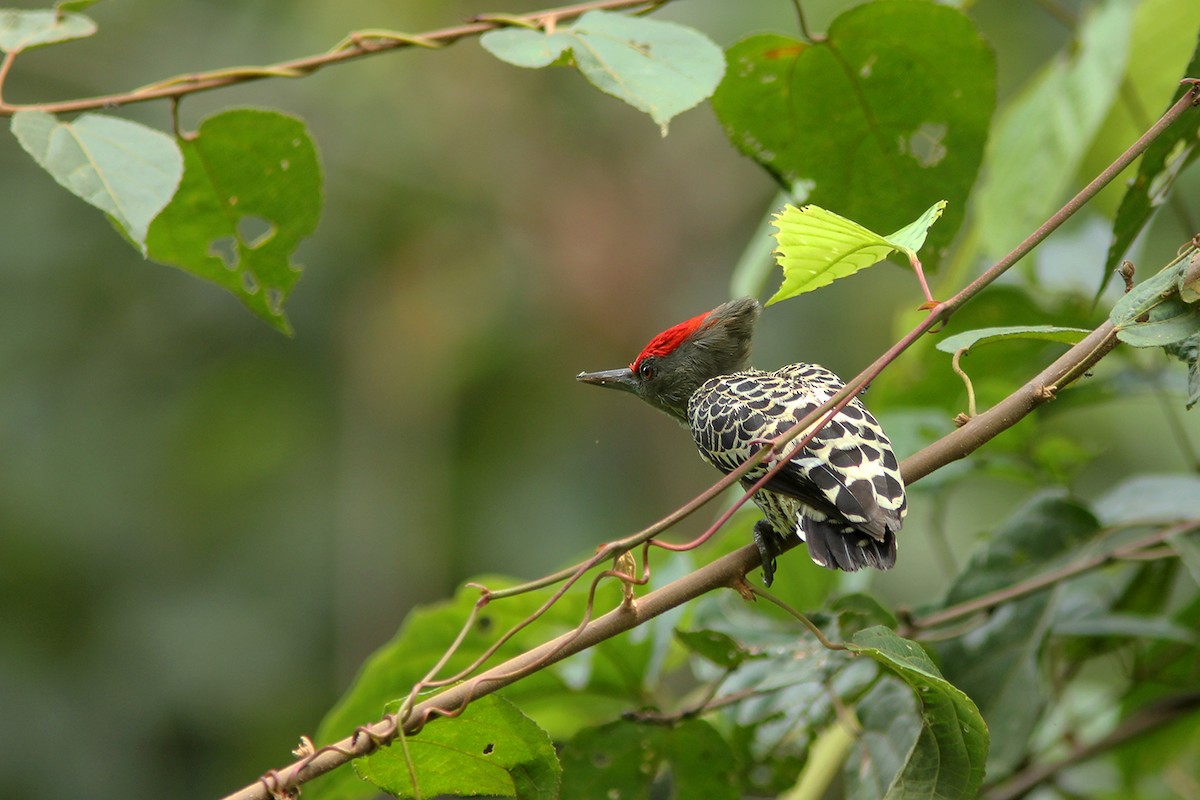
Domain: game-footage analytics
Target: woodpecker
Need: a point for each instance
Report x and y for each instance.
(842, 493)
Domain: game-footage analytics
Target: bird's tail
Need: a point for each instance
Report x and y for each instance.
(840, 546)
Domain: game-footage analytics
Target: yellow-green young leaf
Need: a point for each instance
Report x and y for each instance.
(816, 246)
(911, 237)
(823, 119)
(123, 168)
(25, 30)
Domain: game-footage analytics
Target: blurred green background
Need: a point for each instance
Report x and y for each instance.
(205, 526)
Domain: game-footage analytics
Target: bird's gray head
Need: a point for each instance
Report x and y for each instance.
(677, 361)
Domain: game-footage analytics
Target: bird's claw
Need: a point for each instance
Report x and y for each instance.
(767, 543)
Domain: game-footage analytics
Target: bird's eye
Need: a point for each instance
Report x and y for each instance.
(647, 371)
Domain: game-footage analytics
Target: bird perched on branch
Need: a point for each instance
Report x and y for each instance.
(842, 493)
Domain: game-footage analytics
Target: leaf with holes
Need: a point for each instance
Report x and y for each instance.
(661, 68)
(624, 759)
(816, 246)
(867, 122)
(491, 748)
(123, 168)
(25, 30)
(251, 193)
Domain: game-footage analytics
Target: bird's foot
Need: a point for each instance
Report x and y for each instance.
(767, 542)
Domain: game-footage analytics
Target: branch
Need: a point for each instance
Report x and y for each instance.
(730, 570)
(725, 571)
(962, 442)
(356, 45)
(1136, 549)
(1145, 720)
(941, 313)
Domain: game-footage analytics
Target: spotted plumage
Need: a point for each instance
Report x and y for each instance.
(842, 493)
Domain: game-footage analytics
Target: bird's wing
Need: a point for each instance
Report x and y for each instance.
(847, 470)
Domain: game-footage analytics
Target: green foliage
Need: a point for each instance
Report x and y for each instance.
(998, 665)
(953, 675)
(1041, 137)
(816, 246)
(26, 30)
(624, 759)
(490, 748)
(661, 68)
(890, 722)
(947, 758)
(1164, 160)
(125, 169)
(251, 193)
(1045, 333)
(1162, 310)
(830, 122)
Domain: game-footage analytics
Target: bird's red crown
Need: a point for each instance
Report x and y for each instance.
(668, 340)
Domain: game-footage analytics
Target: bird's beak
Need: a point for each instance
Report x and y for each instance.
(613, 378)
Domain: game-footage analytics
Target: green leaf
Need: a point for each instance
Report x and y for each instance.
(890, 725)
(825, 121)
(997, 663)
(1153, 314)
(1132, 626)
(787, 694)
(856, 612)
(251, 193)
(1188, 547)
(74, 5)
(525, 47)
(998, 666)
(1188, 351)
(1172, 321)
(623, 759)
(1166, 496)
(1042, 136)
(1160, 165)
(719, 648)
(1045, 529)
(122, 168)
(25, 30)
(489, 749)
(661, 68)
(1161, 42)
(948, 757)
(599, 686)
(1050, 333)
(816, 246)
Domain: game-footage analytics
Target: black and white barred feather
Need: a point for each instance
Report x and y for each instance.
(842, 494)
